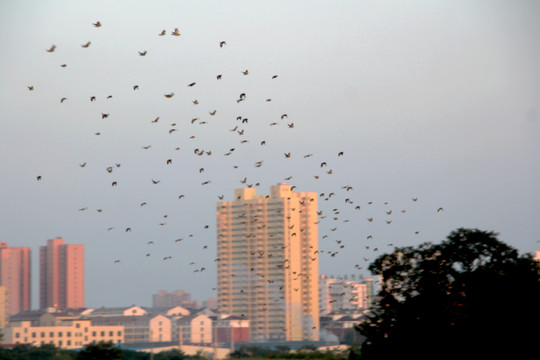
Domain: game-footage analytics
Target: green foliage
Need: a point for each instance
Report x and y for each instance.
(174, 354)
(285, 352)
(100, 351)
(44, 352)
(472, 294)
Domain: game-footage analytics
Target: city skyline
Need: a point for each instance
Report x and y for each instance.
(123, 140)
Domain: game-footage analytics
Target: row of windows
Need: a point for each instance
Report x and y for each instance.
(68, 334)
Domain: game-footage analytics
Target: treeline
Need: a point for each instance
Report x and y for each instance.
(107, 351)
(101, 351)
(285, 352)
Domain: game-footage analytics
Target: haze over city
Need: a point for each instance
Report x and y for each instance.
(409, 119)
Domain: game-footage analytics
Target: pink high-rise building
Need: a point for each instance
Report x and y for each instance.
(15, 276)
(61, 275)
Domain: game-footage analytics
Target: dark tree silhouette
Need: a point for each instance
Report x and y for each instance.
(471, 295)
(100, 351)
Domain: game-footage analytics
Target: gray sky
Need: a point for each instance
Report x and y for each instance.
(437, 100)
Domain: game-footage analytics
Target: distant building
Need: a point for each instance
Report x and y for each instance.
(63, 329)
(61, 275)
(339, 295)
(341, 328)
(195, 329)
(140, 326)
(210, 303)
(4, 307)
(268, 263)
(67, 334)
(230, 329)
(163, 298)
(15, 271)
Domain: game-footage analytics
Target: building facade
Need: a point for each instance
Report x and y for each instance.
(267, 262)
(67, 334)
(339, 295)
(15, 273)
(61, 275)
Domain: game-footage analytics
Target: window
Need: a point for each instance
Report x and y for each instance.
(51, 334)
(111, 333)
(60, 334)
(94, 333)
(119, 333)
(68, 334)
(103, 333)
(77, 325)
(33, 334)
(17, 335)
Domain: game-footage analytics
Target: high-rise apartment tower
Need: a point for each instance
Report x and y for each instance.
(15, 276)
(61, 275)
(268, 262)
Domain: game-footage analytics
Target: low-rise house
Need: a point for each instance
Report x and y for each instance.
(195, 329)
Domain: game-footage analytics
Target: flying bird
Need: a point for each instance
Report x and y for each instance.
(97, 24)
(142, 53)
(168, 96)
(162, 33)
(51, 49)
(31, 87)
(222, 43)
(176, 32)
(86, 45)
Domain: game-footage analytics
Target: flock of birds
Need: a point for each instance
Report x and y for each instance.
(334, 204)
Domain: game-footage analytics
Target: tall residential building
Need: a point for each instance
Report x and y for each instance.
(61, 275)
(342, 295)
(267, 262)
(4, 307)
(15, 276)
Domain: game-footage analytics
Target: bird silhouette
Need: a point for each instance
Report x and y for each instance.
(162, 33)
(222, 43)
(142, 53)
(86, 45)
(51, 49)
(97, 24)
(176, 32)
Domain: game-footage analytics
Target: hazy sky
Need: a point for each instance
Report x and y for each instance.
(435, 100)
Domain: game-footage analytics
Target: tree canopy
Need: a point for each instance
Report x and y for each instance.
(471, 295)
